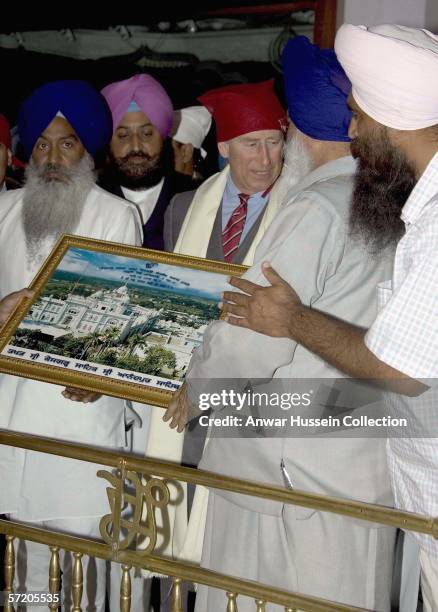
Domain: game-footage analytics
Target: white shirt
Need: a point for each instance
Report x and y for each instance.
(405, 336)
(38, 408)
(144, 199)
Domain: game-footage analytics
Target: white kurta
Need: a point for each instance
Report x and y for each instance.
(35, 486)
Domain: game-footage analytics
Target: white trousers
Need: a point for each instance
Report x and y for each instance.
(410, 574)
(429, 581)
(32, 565)
(324, 555)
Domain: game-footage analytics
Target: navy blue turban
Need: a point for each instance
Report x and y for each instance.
(317, 89)
(83, 106)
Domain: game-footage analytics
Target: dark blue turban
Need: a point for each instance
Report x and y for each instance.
(317, 89)
(82, 105)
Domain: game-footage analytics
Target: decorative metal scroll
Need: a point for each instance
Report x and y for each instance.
(133, 500)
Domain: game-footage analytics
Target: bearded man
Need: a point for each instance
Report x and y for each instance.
(296, 548)
(140, 164)
(394, 100)
(61, 125)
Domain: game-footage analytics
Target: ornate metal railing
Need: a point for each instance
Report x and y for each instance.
(148, 491)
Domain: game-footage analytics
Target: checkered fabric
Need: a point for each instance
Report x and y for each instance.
(405, 336)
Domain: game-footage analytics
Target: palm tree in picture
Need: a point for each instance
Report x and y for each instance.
(134, 340)
(109, 337)
(93, 342)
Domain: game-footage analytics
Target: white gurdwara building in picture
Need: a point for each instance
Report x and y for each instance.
(112, 309)
(98, 312)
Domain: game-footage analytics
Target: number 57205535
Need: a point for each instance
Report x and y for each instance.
(30, 598)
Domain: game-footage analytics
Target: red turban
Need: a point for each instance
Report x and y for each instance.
(5, 132)
(240, 109)
(5, 138)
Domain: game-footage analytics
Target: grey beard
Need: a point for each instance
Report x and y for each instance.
(52, 208)
(297, 165)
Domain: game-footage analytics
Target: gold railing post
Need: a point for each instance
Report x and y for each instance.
(177, 604)
(54, 575)
(77, 583)
(9, 570)
(232, 605)
(290, 610)
(125, 589)
(260, 605)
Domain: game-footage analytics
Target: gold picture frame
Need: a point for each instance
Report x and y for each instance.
(92, 296)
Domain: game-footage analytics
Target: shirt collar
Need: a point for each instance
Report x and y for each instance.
(425, 189)
(342, 166)
(139, 195)
(231, 191)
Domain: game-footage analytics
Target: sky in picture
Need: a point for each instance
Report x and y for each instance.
(144, 273)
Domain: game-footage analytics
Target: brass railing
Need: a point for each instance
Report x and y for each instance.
(145, 475)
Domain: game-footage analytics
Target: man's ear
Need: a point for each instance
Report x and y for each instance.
(187, 152)
(224, 149)
(9, 157)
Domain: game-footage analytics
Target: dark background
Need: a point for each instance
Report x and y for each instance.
(184, 76)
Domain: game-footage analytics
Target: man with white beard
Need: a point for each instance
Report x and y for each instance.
(309, 243)
(61, 125)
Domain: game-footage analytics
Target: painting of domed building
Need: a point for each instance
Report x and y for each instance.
(136, 315)
(102, 310)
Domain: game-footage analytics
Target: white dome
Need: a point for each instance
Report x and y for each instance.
(123, 290)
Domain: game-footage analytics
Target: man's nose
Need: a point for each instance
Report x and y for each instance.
(352, 128)
(135, 142)
(53, 156)
(265, 156)
(291, 129)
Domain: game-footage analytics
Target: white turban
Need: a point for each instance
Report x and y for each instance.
(194, 125)
(394, 73)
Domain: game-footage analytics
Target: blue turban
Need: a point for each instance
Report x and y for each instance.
(82, 105)
(317, 89)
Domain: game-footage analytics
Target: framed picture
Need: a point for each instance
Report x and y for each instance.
(114, 319)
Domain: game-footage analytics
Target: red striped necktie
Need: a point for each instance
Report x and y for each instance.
(232, 233)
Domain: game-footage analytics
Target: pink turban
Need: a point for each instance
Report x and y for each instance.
(394, 73)
(149, 96)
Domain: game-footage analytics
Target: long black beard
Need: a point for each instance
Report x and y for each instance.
(383, 183)
(139, 177)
